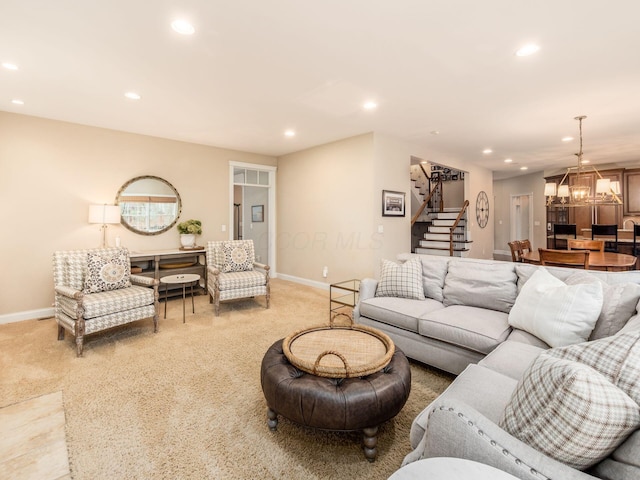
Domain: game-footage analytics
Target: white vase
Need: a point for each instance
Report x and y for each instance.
(187, 240)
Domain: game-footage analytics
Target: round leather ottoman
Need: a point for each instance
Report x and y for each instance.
(361, 403)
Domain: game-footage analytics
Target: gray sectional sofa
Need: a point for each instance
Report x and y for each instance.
(463, 326)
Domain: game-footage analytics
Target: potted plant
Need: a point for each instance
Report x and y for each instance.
(188, 231)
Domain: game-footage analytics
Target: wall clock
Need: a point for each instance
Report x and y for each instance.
(482, 209)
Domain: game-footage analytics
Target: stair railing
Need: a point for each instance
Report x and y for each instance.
(427, 200)
(452, 228)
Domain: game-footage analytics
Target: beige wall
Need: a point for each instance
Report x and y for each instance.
(521, 185)
(51, 171)
(324, 211)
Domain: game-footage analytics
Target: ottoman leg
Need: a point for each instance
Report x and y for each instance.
(370, 443)
(272, 419)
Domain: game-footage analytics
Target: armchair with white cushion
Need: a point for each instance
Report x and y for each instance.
(233, 272)
(95, 291)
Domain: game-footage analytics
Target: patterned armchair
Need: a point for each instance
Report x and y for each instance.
(94, 291)
(233, 272)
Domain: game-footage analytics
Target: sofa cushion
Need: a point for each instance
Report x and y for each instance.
(434, 271)
(619, 303)
(617, 358)
(480, 284)
(107, 271)
(521, 336)
(511, 358)
(569, 412)
(555, 312)
(465, 387)
(401, 280)
(477, 329)
(400, 312)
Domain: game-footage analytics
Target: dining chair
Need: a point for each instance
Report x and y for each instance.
(525, 246)
(609, 231)
(516, 250)
(636, 234)
(593, 245)
(564, 258)
(563, 229)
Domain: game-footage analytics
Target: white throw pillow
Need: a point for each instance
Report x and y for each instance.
(555, 312)
(403, 281)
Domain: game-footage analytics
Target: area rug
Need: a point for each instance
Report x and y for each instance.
(187, 403)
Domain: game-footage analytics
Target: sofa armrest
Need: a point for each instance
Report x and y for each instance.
(457, 430)
(213, 270)
(144, 281)
(367, 290)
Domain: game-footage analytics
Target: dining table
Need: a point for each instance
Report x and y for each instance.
(609, 261)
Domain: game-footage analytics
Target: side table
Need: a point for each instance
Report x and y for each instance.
(184, 280)
(343, 297)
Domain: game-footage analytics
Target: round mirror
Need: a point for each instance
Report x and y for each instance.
(148, 205)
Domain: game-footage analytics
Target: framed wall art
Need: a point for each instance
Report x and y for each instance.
(257, 213)
(393, 204)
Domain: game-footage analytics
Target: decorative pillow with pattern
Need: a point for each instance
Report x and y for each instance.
(238, 257)
(570, 412)
(401, 280)
(617, 358)
(107, 271)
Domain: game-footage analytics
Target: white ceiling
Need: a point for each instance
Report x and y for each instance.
(255, 68)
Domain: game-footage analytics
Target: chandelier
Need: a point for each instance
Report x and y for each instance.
(576, 191)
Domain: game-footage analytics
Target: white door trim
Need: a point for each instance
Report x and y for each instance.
(271, 218)
(512, 215)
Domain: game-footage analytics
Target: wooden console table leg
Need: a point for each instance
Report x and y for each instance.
(370, 443)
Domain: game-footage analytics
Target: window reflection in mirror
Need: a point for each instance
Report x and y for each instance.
(149, 205)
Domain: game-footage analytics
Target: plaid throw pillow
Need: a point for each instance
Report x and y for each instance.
(569, 412)
(107, 272)
(404, 281)
(617, 358)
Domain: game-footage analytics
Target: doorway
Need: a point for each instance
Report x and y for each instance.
(252, 208)
(521, 217)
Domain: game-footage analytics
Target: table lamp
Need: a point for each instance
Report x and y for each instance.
(105, 215)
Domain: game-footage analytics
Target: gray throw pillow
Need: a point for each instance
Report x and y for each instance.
(489, 285)
(107, 271)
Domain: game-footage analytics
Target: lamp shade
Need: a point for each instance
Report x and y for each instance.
(603, 185)
(549, 189)
(563, 191)
(104, 214)
(615, 187)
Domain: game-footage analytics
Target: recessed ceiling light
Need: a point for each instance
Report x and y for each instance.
(132, 96)
(17, 101)
(567, 139)
(370, 105)
(524, 168)
(508, 160)
(528, 49)
(434, 132)
(182, 27)
(289, 133)
(487, 151)
(10, 66)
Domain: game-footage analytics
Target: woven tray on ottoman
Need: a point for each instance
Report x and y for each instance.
(339, 351)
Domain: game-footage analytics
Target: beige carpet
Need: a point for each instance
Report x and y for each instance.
(186, 402)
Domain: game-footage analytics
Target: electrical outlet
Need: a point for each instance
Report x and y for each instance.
(325, 272)
(224, 228)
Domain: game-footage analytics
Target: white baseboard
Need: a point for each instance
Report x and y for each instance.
(304, 281)
(27, 315)
(502, 252)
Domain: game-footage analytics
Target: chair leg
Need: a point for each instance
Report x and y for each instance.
(60, 332)
(79, 345)
(216, 303)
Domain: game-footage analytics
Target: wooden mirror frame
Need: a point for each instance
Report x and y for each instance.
(149, 199)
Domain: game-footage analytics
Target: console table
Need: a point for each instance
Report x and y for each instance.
(161, 263)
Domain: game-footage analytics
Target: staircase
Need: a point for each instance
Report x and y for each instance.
(436, 241)
(431, 222)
